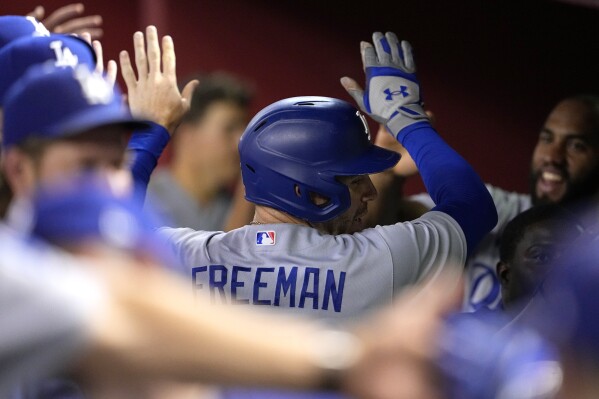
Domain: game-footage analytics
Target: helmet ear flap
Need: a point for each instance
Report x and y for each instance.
(318, 199)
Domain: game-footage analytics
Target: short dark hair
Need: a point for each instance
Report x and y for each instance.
(515, 229)
(217, 86)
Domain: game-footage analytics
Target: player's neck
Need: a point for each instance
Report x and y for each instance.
(267, 215)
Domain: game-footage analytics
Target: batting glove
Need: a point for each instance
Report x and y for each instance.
(392, 94)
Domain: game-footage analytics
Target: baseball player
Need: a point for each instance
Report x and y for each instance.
(34, 46)
(305, 163)
(81, 125)
(67, 140)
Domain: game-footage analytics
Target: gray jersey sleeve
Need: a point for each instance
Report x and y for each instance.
(422, 248)
(46, 300)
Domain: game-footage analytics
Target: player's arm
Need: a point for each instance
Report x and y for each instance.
(152, 95)
(390, 206)
(120, 320)
(152, 328)
(392, 97)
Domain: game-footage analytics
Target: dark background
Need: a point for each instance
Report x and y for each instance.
(490, 70)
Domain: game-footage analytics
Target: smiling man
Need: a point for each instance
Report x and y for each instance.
(565, 162)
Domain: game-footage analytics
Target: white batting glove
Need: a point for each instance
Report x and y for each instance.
(392, 94)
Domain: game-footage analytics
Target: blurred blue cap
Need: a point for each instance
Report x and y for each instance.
(85, 209)
(566, 309)
(15, 26)
(59, 50)
(50, 102)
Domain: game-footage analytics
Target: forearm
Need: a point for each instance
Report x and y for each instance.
(145, 148)
(451, 182)
(151, 329)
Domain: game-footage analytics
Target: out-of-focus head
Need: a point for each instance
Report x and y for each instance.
(86, 214)
(207, 138)
(24, 52)
(15, 26)
(58, 50)
(531, 244)
(310, 157)
(565, 162)
(62, 122)
(566, 312)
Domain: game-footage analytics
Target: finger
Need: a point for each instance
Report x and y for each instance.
(97, 46)
(153, 49)
(111, 71)
(169, 64)
(188, 90)
(37, 13)
(127, 70)
(79, 24)
(369, 57)
(408, 56)
(63, 14)
(394, 47)
(87, 37)
(431, 117)
(94, 33)
(141, 61)
(383, 51)
(354, 90)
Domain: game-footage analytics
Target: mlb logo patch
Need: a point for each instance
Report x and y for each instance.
(265, 238)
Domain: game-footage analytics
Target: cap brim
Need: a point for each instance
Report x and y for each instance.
(95, 118)
(374, 160)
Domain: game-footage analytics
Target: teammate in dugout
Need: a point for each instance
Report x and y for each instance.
(88, 129)
(564, 170)
(305, 164)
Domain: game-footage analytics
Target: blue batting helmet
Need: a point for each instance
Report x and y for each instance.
(298, 146)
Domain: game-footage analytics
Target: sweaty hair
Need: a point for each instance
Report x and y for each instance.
(559, 217)
(217, 86)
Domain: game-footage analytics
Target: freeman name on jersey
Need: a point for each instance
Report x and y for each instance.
(289, 286)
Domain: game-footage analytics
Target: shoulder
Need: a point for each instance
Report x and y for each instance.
(509, 204)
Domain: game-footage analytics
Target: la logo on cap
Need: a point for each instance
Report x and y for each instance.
(64, 56)
(94, 87)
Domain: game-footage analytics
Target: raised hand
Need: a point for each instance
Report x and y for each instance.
(154, 94)
(69, 19)
(111, 66)
(392, 96)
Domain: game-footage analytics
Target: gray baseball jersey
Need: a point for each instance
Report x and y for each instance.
(482, 287)
(46, 300)
(325, 276)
